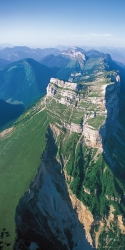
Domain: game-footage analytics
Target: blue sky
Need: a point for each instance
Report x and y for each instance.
(39, 23)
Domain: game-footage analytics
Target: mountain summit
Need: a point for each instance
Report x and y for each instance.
(74, 53)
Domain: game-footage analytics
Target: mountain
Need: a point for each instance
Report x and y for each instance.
(4, 63)
(9, 112)
(76, 62)
(20, 78)
(20, 52)
(71, 63)
(117, 54)
(94, 53)
(73, 51)
(59, 61)
(62, 165)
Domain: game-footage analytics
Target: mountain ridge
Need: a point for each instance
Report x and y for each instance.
(73, 128)
(20, 52)
(66, 155)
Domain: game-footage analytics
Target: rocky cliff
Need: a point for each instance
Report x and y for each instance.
(75, 53)
(94, 101)
(75, 187)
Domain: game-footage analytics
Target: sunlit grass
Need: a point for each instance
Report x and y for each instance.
(19, 159)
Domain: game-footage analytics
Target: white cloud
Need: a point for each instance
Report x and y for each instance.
(70, 35)
(101, 35)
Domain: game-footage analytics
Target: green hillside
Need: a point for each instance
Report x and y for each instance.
(88, 143)
(20, 154)
(24, 81)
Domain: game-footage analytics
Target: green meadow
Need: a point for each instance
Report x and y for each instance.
(20, 153)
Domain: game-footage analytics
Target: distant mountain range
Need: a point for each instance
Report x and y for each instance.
(15, 53)
(117, 54)
(70, 62)
(28, 75)
(25, 81)
(20, 52)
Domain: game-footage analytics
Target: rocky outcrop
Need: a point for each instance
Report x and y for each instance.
(106, 100)
(58, 86)
(84, 216)
(64, 84)
(74, 127)
(64, 92)
(74, 53)
(111, 198)
(92, 137)
(6, 132)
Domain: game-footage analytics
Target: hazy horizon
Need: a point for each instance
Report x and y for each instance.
(40, 24)
(85, 47)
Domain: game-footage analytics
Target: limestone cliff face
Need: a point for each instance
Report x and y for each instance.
(105, 102)
(48, 214)
(45, 215)
(64, 84)
(92, 137)
(74, 53)
(74, 127)
(63, 92)
(66, 90)
(108, 107)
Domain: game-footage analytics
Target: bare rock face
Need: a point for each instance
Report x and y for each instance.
(95, 137)
(74, 127)
(105, 100)
(51, 90)
(57, 85)
(63, 84)
(63, 92)
(74, 52)
(92, 137)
